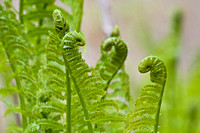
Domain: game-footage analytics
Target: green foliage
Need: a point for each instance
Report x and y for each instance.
(18, 52)
(61, 93)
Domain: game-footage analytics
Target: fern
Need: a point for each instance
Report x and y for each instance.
(17, 50)
(146, 115)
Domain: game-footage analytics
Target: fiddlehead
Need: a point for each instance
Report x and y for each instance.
(61, 26)
(111, 68)
(147, 108)
(114, 52)
(158, 73)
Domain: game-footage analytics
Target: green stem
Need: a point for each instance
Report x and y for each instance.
(159, 107)
(83, 104)
(108, 82)
(87, 119)
(68, 121)
(21, 8)
(40, 23)
(22, 103)
(68, 94)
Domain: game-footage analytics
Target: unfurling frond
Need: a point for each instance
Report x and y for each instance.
(147, 108)
(158, 73)
(114, 52)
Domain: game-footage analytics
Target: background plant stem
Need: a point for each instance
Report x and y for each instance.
(21, 8)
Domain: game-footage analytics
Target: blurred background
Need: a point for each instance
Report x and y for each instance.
(169, 29)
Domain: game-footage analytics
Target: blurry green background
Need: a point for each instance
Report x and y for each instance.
(169, 29)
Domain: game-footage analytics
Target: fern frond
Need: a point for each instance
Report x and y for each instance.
(32, 128)
(101, 104)
(50, 107)
(8, 90)
(103, 119)
(55, 69)
(52, 92)
(44, 124)
(19, 54)
(55, 59)
(49, 124)
(28, 78)
(147, 108)
(92, 93)
(55, 80)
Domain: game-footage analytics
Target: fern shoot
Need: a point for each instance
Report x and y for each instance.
(145, 118)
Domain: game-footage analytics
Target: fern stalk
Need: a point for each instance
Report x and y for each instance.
(21, 8)
(159, 106)
(40, 23)
(84, 107)
(83, 104)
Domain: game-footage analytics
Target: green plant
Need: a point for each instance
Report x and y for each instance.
(61, 93)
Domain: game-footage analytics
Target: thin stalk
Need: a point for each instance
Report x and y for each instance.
(68, 94)
(40, 23)
(68, 120)
(21, 8)
(17, 116)
(108, 82)
(83, 104)
(22, 103)
(159, 107)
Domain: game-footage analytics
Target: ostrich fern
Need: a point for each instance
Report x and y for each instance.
(61, 93)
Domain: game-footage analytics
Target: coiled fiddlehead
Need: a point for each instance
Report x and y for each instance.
(114, 52)
(61, 26)
(158, 73)
(146, 115)
(111, 68)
